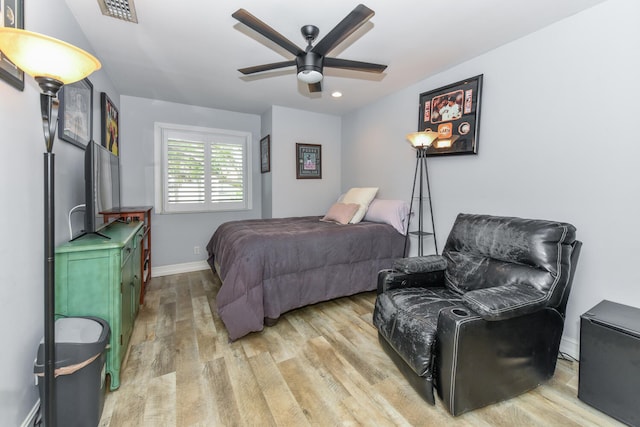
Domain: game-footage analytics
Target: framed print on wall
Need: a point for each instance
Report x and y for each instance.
(454, 112)
(75, 113)
(265, 154)
(12, 17)
(110, 124)
(308, 161)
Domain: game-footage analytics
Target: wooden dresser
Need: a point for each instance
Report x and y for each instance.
(101, 277)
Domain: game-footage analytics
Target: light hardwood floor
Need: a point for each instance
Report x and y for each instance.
(320, 365)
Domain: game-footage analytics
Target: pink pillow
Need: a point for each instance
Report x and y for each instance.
(341, 213)
(392, 212)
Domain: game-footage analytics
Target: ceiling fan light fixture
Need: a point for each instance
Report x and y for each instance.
(309, 67)
(311, 61)
(310, 76)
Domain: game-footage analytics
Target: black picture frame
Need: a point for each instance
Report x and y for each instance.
(308, 161)
(110, 131)
(75, 113)
(12, 17)
(265, 154)
(454, 112)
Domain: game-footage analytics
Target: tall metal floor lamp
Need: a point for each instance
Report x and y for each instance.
(421, 141)
(52, 63)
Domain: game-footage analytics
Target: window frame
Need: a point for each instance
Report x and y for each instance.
(164, 131)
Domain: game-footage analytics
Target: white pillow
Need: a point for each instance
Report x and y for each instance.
(361, 196)
(392, 212)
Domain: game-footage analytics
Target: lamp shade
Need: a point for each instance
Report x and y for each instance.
(446, 142)
(43, 56)
(422, 139)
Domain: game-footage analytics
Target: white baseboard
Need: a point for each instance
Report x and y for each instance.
(570, 347)
(187, 267)
(31, 416)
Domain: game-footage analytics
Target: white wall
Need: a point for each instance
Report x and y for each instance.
(174, 236)
(21, 223)
(300, 197)
(558, 140)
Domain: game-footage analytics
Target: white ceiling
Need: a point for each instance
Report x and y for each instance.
(188, 51)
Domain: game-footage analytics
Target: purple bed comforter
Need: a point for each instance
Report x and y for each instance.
(271, 266)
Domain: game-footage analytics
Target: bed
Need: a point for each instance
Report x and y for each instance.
(271, 266)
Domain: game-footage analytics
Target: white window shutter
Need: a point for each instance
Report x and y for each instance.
(202, 170)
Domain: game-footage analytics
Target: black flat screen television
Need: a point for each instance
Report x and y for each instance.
(102, 186)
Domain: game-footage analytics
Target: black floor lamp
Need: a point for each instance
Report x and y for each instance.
(421, 141)
(52, 63)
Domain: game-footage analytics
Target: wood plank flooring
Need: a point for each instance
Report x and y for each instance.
(318, 366)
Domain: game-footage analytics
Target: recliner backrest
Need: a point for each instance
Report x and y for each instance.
(485, 251)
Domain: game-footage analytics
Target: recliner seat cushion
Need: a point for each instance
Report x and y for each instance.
(408, 317)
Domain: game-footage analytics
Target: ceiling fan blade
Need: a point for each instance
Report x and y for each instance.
(257, 25)
(344, 29)
(266, 67)
(315, 87)
(354, 65)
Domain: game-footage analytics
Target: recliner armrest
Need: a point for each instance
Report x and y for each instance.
(391, 279)
(420, 264)
(505, 302)
(425, 271)
(478, 362)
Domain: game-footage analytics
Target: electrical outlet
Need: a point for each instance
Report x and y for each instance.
(196, 250)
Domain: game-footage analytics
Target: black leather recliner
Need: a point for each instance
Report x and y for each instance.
(483, 322)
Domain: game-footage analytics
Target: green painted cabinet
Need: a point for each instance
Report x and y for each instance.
(100, 277)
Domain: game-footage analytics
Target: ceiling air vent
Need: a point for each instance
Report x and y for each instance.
(120, 9)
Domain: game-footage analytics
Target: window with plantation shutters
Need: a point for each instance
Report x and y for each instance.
(185, 172)
(227, 173)
(202, 169)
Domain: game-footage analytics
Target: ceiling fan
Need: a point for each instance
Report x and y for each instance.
(311, 61)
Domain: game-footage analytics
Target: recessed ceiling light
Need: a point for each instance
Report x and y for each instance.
(336, 94)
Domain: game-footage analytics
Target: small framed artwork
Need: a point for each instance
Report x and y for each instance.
(75, 113)
(12, 17)
(110, 124)
(454, 112)
(265, 154)
(308, 161)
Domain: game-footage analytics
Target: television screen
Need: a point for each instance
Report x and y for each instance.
(102, 186)
(107, 182)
